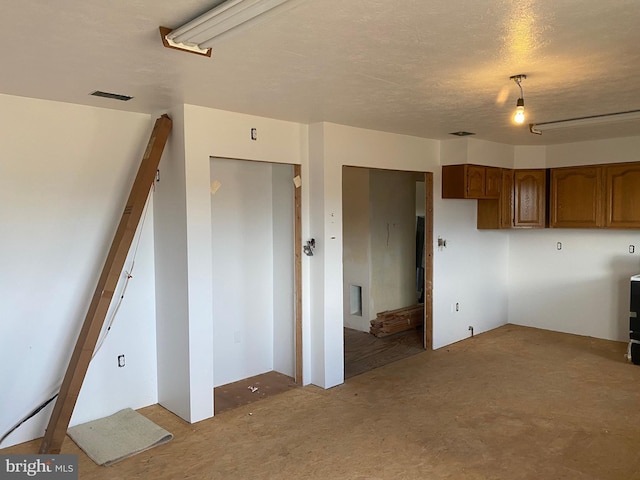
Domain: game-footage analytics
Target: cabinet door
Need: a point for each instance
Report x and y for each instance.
(470, 181)
(454, 181)
(506, 199)
(493, 179)
(496, 213)
(576, 197)
(622, 187)
(475, 181)
(529, 198)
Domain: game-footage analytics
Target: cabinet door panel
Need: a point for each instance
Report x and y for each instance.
(622, 196)
(493, 179)
(454, 181)
(506, 199)
(529, 188)
(576, 197)
(475, 181)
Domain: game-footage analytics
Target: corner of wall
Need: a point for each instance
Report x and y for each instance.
(316, 230)
(454, 151)
(530, 156)
(171, 273)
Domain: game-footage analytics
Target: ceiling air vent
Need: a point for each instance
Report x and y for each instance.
(113, 96)
(461, 133)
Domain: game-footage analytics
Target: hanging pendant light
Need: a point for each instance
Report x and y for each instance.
(519, 116)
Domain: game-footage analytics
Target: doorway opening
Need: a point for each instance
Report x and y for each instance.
(387, 266)
(255, 218)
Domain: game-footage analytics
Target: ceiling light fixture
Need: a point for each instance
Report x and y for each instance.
(198, 35)
(538, 128)
(518, 117)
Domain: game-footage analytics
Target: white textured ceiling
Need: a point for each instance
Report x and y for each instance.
(416, 67)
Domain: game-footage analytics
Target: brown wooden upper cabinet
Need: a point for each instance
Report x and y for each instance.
(588, 196)
(529, 198)
(622, 195)
(576, 197)
(522, 201)
(470, 181)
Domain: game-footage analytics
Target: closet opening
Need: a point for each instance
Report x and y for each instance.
(255, 219)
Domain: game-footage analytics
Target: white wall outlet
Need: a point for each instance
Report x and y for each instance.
(121, 360)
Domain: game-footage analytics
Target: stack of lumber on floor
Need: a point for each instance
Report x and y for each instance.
(399, 320)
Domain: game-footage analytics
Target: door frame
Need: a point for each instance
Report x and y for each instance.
(297, 280)
(428, 265)
(297, 259)
(427, 320)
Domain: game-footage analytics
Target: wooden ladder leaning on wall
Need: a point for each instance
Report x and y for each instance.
(83, 351)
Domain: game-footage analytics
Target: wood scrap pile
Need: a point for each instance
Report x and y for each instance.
(399, 320)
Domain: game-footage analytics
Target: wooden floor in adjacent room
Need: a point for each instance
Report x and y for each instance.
(514, 403)
(364, 351)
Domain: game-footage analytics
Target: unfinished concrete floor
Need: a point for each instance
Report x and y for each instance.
(514, 403)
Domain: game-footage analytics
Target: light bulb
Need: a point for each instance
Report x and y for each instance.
(519, 115)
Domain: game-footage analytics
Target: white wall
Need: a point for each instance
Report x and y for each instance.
(283, 275)
(393, 240)
(64, 178)
(327, 148)
(489, 153)
(480, 152)
(205, 133)
(356, 246)
(133, 334)
(331, 147)
(530, 156)
(471, 271)
(596, 151)
(246, 276)
(317, 284)
(242, 246)
(379, 241)
(583, 288)
(172, 295)
(65, 175)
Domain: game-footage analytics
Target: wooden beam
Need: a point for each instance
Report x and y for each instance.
(297, 242)
(83, 351)
(399, 320)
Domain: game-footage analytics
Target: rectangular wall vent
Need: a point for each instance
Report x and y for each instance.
(355, 300)
(113, 96)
